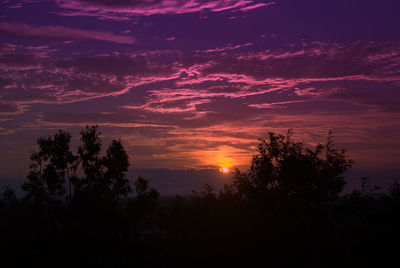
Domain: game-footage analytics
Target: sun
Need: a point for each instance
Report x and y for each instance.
(224, 170)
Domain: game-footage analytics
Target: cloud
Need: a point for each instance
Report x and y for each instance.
(227, 48)
(203, 90)
(61, 33)
(310, 61)
(10, 109)
(32, 75)
(251, 7)
(121, 9)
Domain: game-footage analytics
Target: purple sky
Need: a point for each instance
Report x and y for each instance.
(191, 85)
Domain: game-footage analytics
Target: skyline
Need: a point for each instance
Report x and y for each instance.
(191, 85)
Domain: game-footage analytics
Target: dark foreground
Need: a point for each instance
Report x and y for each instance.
(287, 210)
(361, 229)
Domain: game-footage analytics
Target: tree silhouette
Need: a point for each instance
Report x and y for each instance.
(8, 196)
(284, 170)
(116, 165)
(104, 176)
(90, 162)
(49, 168)
(146, 197)
(54, 163)
(395, 190)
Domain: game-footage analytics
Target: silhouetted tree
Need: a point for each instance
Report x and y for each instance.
(144, 193)
(395, 190)
(104, 176)
(54, 163)
(284, 170)
(8, 196)
(90, 160)
(146, 199)
(205, 196)
(49, 168)
(116, 165)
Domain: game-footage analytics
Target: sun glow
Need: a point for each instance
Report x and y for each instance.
(224, 170)
(223, 158)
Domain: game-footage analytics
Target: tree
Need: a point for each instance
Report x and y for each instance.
(8, 196)
(49, 168)
(105, 177)
(143, 192)
(54, 163)
(284, 170)
(90, 161)
(146, 198)
(116, 165)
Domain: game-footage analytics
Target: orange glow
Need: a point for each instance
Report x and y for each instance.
(221, 157)
(224, 170)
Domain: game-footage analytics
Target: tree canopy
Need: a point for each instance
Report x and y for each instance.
(89, 174)
(284, 169)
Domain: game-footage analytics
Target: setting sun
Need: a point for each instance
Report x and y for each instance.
(224, 170)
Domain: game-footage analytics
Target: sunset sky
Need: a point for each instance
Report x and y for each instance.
(189, 86)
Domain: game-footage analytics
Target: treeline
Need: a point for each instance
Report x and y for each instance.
(286, 210)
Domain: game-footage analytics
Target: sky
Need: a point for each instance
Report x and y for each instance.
(189, 86)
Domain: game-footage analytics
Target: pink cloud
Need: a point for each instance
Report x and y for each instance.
(121, 9)
(169, 106)
(61, 33)
(30, 75)
(251, 7)
(312, 61)
(193, 87)
(229, 47)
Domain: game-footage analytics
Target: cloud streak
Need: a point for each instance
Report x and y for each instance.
(121, 9)
(61, 33)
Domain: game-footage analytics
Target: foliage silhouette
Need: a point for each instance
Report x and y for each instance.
(284, 170)
(104, 176)
(143, 206)
(8, 195)
(50, 165)
(288, 209)
(144, 193)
